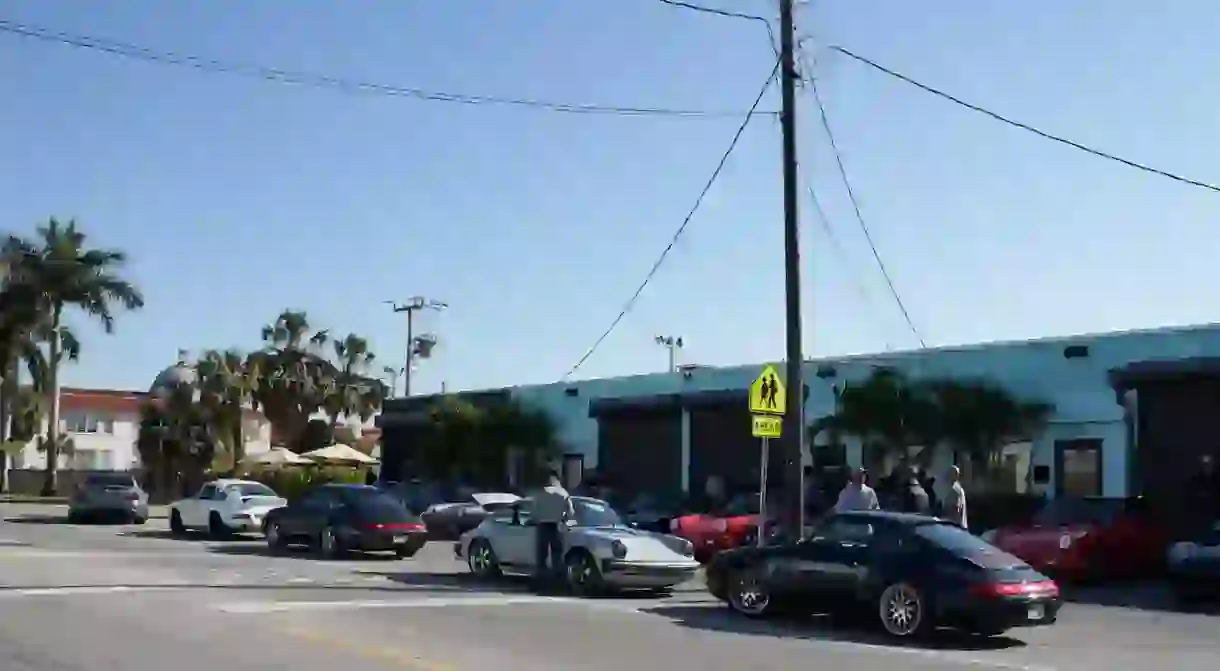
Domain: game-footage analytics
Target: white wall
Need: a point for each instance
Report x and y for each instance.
(110, 447)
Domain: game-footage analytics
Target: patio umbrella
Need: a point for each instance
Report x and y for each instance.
(276, 456)
(339, 454)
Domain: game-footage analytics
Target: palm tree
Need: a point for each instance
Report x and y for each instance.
(352, 392)
(227, 382)
(978, 417)
(63, 274)
(294, 377)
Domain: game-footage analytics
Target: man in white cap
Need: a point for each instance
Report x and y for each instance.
(953, 507)
(857, 495)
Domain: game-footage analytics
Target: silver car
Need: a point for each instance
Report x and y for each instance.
(109, 496)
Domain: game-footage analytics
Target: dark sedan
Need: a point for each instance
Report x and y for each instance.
(448, 521)
(334, 519)
(909, 573)
(1194, 568)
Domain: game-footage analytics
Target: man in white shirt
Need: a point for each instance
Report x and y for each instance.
(953, 507)
(552, 509)
(857, 495)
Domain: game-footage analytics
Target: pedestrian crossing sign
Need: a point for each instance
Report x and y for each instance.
(767, 393)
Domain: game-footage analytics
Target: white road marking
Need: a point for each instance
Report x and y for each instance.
(262, 607)
(84, 591)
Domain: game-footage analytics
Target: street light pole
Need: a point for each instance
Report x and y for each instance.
(673, 344)
(416, 346)
(794, 429)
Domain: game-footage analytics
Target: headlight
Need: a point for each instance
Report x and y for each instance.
(618, 549)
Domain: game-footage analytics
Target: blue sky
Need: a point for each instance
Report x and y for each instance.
(236, 198)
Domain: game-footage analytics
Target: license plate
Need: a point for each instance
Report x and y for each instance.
(401, 539)
(1036, 612)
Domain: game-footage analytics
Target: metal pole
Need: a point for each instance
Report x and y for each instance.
(406, 371)
(762, 492)
(673, 359)
(795, 415)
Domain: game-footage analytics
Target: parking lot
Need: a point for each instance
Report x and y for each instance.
(103, 597)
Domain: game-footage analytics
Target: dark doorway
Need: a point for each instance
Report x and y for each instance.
(1078, 467)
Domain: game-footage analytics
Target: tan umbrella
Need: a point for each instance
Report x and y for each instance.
(276, 456)
(340, 454)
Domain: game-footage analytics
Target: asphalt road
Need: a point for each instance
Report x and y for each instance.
(94, 598)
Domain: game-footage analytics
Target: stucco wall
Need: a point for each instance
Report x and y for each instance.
(1085, 404)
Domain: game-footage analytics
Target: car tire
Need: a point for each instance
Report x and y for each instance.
(275, 538)
(583, 575)
(74, 517)
(137, 520)
(747, 593)
(217, 527)
(904, 611)
(176, 527)
(482, 561)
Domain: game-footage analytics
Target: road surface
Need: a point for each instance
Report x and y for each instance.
(94, 598)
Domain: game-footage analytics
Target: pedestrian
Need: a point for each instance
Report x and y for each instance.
(912, 496)
(552, 510)
(857, 495)
(953, 508)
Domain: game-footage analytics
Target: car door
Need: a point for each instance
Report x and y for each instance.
(516, 541)
(198, 507)
(306, 517)
(833, 559)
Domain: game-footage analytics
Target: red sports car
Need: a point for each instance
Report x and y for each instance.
(722, 530)
(1087, 538)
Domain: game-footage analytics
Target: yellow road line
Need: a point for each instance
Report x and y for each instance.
(395, 655)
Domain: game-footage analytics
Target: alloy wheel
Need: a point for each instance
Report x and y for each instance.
(749, 596)
(901, 610)
(481, 561)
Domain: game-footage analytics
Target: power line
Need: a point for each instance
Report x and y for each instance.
(348, 86)
(690, 215)
(855, 204)
(728, 15)
(1024, 126)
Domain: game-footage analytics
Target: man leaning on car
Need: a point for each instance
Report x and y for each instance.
(552, 507)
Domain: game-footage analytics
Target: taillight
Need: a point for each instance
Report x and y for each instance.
(393, 526)
(993, 590)
(720, 526)
(673, 525)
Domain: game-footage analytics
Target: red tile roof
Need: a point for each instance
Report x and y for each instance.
(101, 400)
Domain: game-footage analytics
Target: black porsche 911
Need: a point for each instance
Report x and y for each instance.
(909, 573)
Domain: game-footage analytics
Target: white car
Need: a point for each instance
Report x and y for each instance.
(600, 550)
(225, 506)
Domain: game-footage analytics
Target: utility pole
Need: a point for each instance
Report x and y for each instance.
(673, 344)
(794, 417)
(417, 346)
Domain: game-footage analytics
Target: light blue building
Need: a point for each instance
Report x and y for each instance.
(1116, 430)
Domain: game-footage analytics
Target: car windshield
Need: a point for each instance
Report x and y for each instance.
(110, 480)
(245, 489)
(1072, 511)
(966, 545)
(375, 505)
(594, 513)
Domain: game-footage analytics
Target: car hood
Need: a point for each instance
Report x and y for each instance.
(641, 545)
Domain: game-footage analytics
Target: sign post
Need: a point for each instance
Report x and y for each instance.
(768, 399)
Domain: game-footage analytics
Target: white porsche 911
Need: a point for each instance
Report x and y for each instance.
(600, 551)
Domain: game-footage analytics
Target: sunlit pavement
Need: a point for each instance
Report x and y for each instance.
(102, 597)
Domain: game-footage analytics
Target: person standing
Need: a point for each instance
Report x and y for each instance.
(954, 506)
(857, 495)
(552, 509)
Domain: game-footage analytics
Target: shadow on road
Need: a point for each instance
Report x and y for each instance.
(188, 537)
(38, 519)
(100, 521)
(1149, 596)
(257, 549)
(822, 627)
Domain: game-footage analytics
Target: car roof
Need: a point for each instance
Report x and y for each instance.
(225, 482)
(485, 498)
(906, 519)
(349, 486)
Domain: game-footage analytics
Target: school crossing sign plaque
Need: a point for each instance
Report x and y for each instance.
(768, 399)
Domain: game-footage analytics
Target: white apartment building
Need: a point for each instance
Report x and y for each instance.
(104, 425)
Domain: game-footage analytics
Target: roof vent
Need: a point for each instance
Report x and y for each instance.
(1076, 352)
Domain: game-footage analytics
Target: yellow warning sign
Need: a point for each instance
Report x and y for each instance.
(767, 393)
(767, 426)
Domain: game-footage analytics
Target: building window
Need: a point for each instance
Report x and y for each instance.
(1078, 467)
(79, 422)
